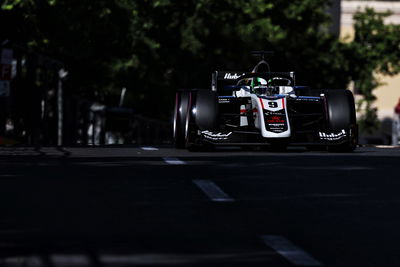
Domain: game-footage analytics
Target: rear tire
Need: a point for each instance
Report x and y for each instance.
(180, 114)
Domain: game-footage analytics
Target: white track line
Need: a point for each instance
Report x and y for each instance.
(174, 161)
(213, 191)
(70, 260)
(293, 254)
(149, 148)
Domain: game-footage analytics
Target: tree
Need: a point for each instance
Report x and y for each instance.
(375, 50)
(153, 48)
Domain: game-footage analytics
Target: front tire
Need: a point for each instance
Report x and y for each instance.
(206, 104)
(202, 115)
(341, 114)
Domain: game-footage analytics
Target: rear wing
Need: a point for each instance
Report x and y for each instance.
(219, 79)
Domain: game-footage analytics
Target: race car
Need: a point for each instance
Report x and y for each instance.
(264, 108)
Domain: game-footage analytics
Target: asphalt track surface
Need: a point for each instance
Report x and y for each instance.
(151, 206)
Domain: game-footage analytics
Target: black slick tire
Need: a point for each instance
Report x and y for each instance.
(341, 114)
(202, 115)
(180, 114)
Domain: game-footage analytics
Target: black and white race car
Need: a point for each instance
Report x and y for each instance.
(264, 108)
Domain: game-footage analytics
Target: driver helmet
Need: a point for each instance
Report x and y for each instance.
(257, 81)
(259, 85)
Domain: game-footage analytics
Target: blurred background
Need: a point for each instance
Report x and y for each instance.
(101, 72)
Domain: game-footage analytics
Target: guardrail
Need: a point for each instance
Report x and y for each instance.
(91, 123)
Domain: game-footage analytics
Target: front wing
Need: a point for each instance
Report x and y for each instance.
(238, 137)
(305, 119)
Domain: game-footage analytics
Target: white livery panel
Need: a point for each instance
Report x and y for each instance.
(272, 117)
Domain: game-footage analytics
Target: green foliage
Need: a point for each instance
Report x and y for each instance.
(155, 47)
(376, 50)
(13, 4)
(10, 4)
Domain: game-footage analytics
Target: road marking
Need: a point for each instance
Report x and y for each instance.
(149, 148)
(174, 161)
(346, 168)
(184, 259)
(293, 254)
(213, 191)
(70, 260)
(385, 146)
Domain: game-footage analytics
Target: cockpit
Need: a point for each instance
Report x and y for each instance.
(263, 86)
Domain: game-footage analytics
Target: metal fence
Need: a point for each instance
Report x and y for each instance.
(30, 97)
(36, 110)
(91, 123)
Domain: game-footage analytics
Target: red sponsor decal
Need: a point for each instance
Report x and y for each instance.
(275, 119)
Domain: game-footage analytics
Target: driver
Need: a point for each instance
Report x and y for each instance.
(258, 85)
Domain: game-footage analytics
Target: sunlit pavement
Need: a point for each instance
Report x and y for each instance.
(157, 206)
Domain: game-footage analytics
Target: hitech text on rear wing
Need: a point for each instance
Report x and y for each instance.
(219, 79)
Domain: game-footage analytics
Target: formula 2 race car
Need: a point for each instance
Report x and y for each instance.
(264, 108)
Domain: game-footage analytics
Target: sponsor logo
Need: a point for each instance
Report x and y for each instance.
(332, 136)
(216, 135)
(275, 119)
(309, 99)
(275, 113)
(230, 76)
(224, 100)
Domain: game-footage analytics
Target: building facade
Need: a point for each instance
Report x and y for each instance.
(389, 93)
